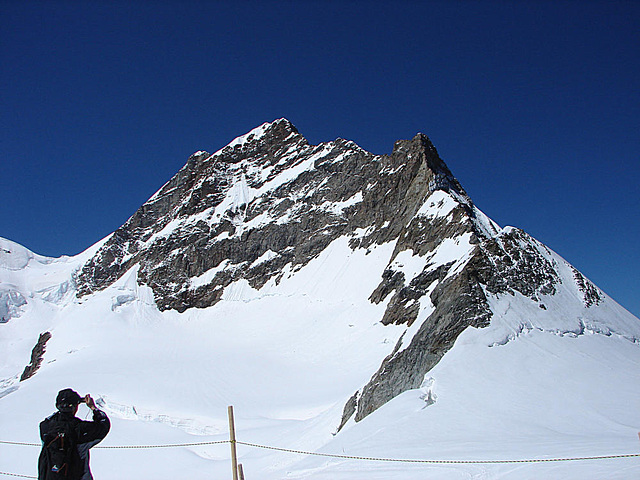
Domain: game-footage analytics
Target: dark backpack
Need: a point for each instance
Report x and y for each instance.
(59, 458)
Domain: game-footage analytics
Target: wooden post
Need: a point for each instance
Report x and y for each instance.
(240, 471)
(232, 440)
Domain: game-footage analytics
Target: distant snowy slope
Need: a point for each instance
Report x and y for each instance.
(33, 292)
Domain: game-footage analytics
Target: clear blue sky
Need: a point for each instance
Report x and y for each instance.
(533, 105)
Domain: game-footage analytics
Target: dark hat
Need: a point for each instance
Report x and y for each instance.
(67, 400)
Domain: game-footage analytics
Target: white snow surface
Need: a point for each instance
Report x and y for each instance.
(438, 204)
(254, 134)
(561, 381)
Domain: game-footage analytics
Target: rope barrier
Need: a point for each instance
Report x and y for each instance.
(407, 460)
(16, 475)
(21, 443)
(333, 455)
(169, 445)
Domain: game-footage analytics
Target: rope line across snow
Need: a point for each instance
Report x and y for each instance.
(334, 455)
(23, 444)
(118, 447)
(16, 475)
(407, 460)
(168, 445)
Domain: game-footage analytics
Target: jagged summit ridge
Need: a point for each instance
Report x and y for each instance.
(266, 191)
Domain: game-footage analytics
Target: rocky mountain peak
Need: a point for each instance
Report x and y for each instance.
(420, 140)
(262, 142)
(268, 203)
(267, 191)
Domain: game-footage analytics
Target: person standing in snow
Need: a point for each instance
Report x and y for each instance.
(66, 440)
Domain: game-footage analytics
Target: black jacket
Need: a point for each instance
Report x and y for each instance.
(87, 434)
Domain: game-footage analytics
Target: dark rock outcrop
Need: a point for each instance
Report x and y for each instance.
(590, 293)
(37, 355)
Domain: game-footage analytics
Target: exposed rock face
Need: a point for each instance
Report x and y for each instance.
(37, 355)
(269, 200)
(591, 295)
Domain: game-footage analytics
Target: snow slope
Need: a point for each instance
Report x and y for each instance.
(287, 359)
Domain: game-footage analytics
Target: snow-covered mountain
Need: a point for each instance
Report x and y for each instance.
(344, 303)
